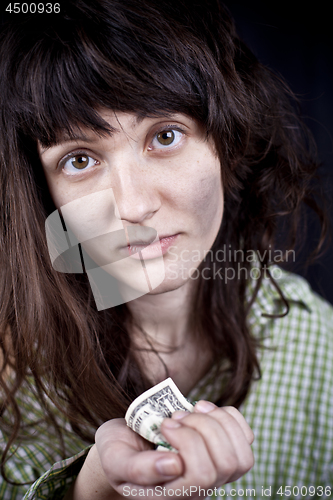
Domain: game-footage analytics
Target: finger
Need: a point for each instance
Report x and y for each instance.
(208, 407)
(225, 442)
(199, 468)
(242, 422)
(124, 464)
(117, 430)
(203, 406)
(124, 459)
(239, 433)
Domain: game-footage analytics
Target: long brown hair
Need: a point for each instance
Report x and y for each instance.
(150, 58)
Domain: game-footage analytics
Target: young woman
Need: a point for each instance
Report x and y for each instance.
(154, 121)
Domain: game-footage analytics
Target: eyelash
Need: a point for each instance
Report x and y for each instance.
(74, 154)
(78, 153)
(168, 128)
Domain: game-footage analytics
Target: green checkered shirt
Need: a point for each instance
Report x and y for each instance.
(290, 410)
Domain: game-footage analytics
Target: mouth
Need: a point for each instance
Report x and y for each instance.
(145, 250)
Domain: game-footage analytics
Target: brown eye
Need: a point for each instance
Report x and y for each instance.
(80, 161)
(166, 137)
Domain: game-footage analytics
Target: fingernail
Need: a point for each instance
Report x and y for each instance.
(204, 406)
(167, 466)
(178, 415)
(170, 424)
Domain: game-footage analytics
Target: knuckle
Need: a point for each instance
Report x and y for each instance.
(231, 409)
(233, 419)
(225, 414)
(230, 414)
(210, 476)
(249, 462)
(230, 466)
(251, 435)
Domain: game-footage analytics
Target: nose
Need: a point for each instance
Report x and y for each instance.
(135, 189)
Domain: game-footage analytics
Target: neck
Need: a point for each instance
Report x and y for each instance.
(164, 317)
(161, 324)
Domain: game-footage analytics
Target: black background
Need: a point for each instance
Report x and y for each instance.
(295, 39)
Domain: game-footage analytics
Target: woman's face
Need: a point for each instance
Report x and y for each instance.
(158, 173)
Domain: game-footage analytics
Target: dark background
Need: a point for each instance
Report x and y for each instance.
(295, 39)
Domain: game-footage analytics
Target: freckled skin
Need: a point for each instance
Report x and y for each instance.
(175, 189)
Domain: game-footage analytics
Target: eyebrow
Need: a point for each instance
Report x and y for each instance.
(82, 137)
(75, 138)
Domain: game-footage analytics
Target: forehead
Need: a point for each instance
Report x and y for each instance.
(114, 123)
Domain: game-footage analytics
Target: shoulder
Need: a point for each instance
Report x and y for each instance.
(303, 315)
(296, 357)
(296, 353)
(289, 408)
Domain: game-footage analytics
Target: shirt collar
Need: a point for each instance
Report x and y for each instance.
(268, 300)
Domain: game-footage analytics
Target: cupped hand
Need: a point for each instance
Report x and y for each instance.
(213, 444)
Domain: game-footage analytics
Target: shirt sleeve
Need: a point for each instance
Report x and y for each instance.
(32, 463)
(36, 467)
(56, 481)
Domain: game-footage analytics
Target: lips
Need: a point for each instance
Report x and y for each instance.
(141, 243)
(151, 250)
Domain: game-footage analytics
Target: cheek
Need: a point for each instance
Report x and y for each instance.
(203, 195)
(209, 197)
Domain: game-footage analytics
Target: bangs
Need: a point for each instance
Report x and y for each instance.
(110, 57)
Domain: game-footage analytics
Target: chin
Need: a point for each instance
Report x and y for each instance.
(169, 285)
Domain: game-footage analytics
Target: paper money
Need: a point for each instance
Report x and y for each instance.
(147, 412)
